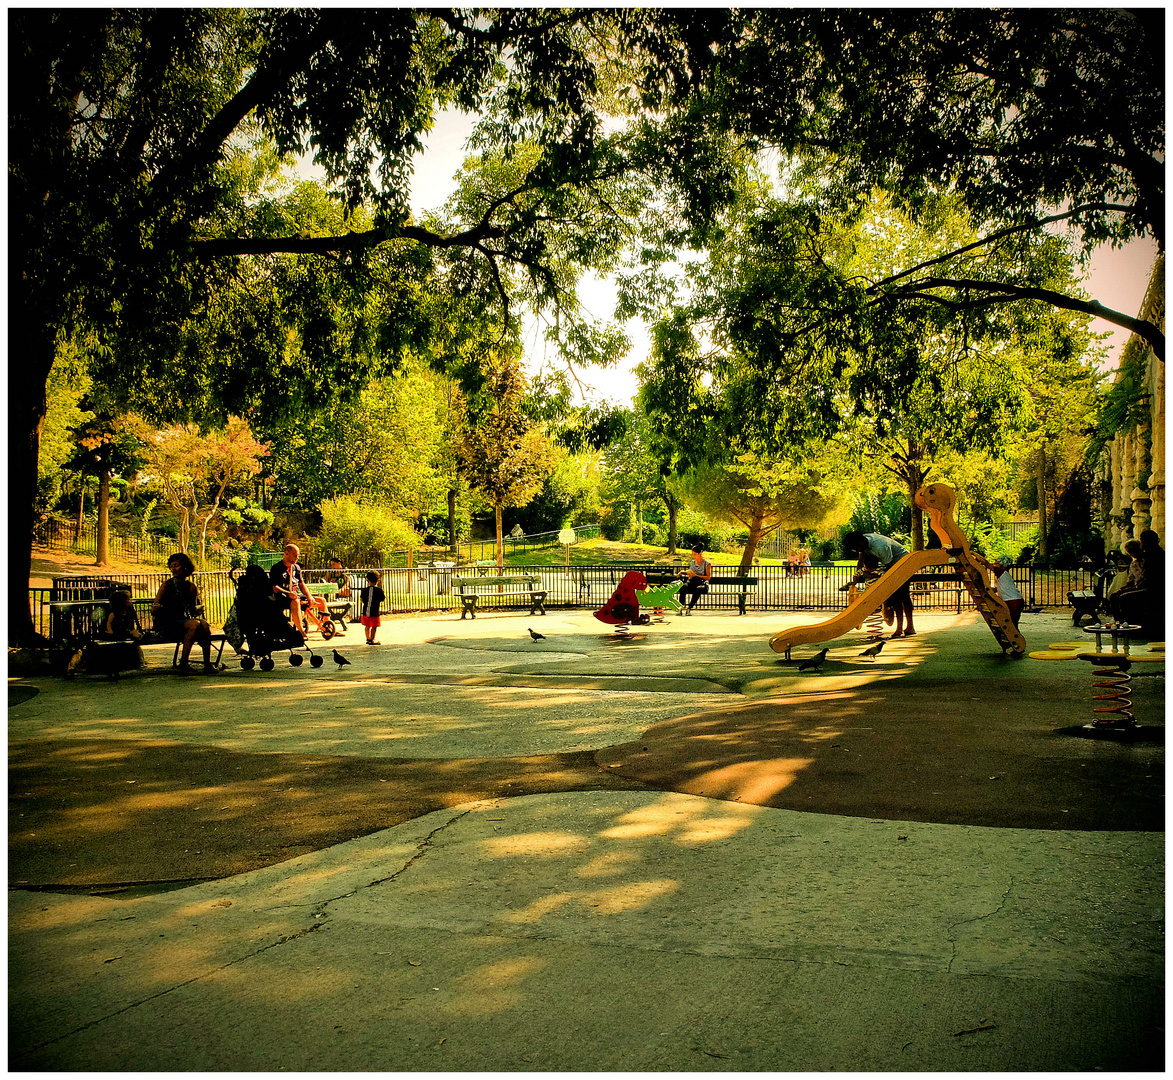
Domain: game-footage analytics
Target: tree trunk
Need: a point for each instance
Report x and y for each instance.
(498, 513)
(756, 531)
(452, 519)
(81, 509)
(27, 405)
(672, 506)
(102, 544)
(918, 517)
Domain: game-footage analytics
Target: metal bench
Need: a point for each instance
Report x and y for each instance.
(470, 589)
(1088, 601)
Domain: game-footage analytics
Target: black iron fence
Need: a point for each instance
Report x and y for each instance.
(429, 588)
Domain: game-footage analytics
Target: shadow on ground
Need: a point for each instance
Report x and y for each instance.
(109, 816)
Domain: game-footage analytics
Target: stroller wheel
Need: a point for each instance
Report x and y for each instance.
(267, 663)
(295, 659)
(316, 661)
(248, 663)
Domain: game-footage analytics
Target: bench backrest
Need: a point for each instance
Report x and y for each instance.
(665, 579)
(489, 582)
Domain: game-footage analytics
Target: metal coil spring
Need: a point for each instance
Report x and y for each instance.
(1117, 680)
(873, 625)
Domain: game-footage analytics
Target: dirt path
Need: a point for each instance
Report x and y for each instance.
(48, 564)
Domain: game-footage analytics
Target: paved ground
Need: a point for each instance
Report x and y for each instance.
(473, 851)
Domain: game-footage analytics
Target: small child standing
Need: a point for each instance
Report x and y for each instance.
(372, 599)
(1007, 590)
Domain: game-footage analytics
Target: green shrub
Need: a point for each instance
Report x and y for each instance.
(615, 520)
(361, 532)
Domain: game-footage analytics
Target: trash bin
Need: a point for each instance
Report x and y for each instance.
(442, 571)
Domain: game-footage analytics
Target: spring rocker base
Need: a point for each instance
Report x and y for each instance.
(1111, 697)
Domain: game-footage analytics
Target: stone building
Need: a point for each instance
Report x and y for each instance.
(1132, 472)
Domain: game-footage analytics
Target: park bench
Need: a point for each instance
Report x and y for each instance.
(470, 589)
(920, 584)
(731, 583)
(1088, 601)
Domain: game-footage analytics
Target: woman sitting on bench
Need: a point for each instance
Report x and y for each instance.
(178, 613)
(696, 578)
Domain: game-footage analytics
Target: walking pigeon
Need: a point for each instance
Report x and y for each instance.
(814, 662)
(536, 636)
(874, 651)
(340, 660)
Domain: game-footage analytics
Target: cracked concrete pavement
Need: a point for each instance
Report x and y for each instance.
(629, 930)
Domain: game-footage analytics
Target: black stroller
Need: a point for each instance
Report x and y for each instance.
(262, 625)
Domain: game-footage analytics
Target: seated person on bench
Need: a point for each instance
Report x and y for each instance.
(178, 613)
(696, 578)
(1141, 601)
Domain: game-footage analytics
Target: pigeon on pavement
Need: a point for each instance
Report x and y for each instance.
(536, 636)
(813, 662)
(874, 651)
(340, 660)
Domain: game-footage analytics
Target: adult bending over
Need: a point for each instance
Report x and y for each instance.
(877, 554)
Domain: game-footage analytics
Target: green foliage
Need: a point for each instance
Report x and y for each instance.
(1126, 402)
(886, 514)
(391, 443)
(361, 532)
(569, 495)
(244, 514)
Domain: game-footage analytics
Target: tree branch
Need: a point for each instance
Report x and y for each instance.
(1026, 226)
(353, 241)
(1004, 292)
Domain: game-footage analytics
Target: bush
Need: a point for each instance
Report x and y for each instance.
(360, 533)
(615, 520)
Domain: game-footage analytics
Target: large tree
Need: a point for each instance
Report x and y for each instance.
(766, 495)
(124, 193)
(1036, 116)
(125, 142)
(500, 453)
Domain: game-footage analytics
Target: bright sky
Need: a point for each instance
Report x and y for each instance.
(1117, 277)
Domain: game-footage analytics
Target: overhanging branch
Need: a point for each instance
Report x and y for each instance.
(1002, 292)
(352, 241)
(1026, 226)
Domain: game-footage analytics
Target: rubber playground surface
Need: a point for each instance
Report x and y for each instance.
(123, 792)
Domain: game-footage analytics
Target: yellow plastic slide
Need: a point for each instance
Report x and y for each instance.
(938, 500)
(871, 599)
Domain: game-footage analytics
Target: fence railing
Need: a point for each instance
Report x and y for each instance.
(428, 588)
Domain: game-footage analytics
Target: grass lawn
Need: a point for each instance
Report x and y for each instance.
(598, 551)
